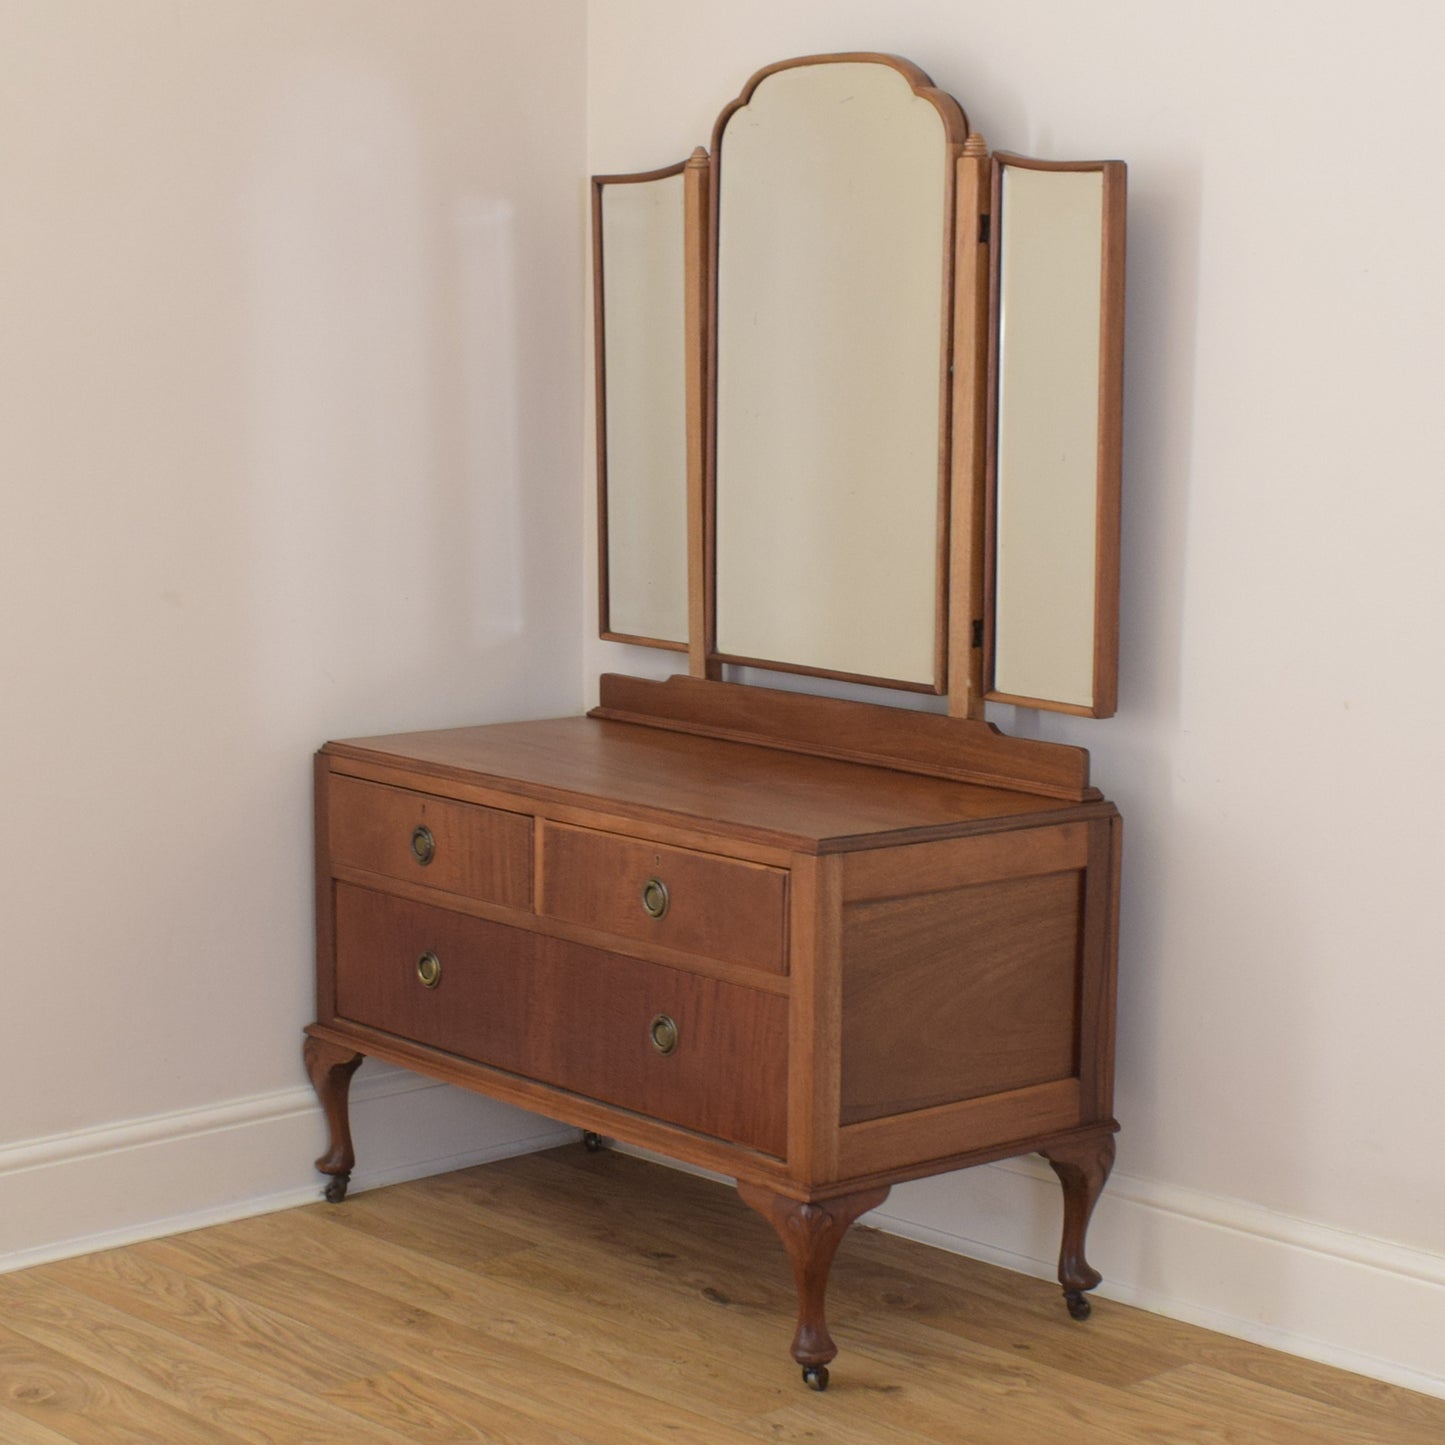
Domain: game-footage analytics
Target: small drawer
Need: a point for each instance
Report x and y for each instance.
(481, 853)
(472, 997)
(699, 903)
(707, 1055)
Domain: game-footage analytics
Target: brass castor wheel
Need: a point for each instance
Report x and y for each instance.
(1078, 1303)
(336, 1190)
(815, 1377)
(593, 1142)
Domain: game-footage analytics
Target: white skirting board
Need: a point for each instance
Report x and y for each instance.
(1344, 1299)
(1348, 1300)
(99, 1188)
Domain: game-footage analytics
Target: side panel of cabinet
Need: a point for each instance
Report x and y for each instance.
(958, 994)
(977, 1005)
(1098, 979)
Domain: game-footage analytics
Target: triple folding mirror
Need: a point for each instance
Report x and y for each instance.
(859, 397)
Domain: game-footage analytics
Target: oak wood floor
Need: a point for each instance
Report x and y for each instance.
(568, 1297)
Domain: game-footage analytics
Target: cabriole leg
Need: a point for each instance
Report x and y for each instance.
(1082, 1168)
(331, 1068)
(811, 1234)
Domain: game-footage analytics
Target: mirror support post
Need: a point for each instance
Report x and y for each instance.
(695, 192)
(966, 620)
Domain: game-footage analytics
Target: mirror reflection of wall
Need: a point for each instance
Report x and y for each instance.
(642, 441)
(1053, 471)
(833, 199)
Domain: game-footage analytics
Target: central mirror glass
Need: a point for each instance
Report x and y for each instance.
(834, 209)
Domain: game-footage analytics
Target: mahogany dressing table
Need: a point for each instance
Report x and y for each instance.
(817, 945)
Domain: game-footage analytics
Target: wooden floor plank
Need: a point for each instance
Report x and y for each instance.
(513, 1347)
(470, 1326)
(939, 1380)
(1272, 1414)
(469, 1239)
(1034, 1327)
(431, 1410)
(217, 1395)
(1041, 1332)
(132, 1281)
(89, 1406)
(1408, 1413)
(579, 1299)
(17, 1430)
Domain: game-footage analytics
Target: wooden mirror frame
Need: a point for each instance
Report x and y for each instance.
(955, 132)
(599, 340)
(966, 573)
(1109, 436)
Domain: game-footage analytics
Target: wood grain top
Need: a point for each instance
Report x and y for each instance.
(807, 803)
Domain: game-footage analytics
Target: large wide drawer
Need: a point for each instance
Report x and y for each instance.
(699, 903)
(582, 1019)
(481, 853)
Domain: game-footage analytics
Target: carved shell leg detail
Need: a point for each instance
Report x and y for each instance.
(811, 1234)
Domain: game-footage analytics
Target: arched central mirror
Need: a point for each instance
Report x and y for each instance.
(833, 192)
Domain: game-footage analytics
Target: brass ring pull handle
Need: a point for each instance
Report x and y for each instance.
(429, 969)
(663, 1034)
(423, 845)
(655, 898)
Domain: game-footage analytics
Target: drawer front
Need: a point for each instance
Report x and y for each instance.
(698, 903)
(482, 853)
(578, 1018)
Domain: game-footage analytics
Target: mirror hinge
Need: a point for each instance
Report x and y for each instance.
(978, 631)
(983, 229)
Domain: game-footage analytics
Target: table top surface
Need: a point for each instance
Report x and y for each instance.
(800, 801)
